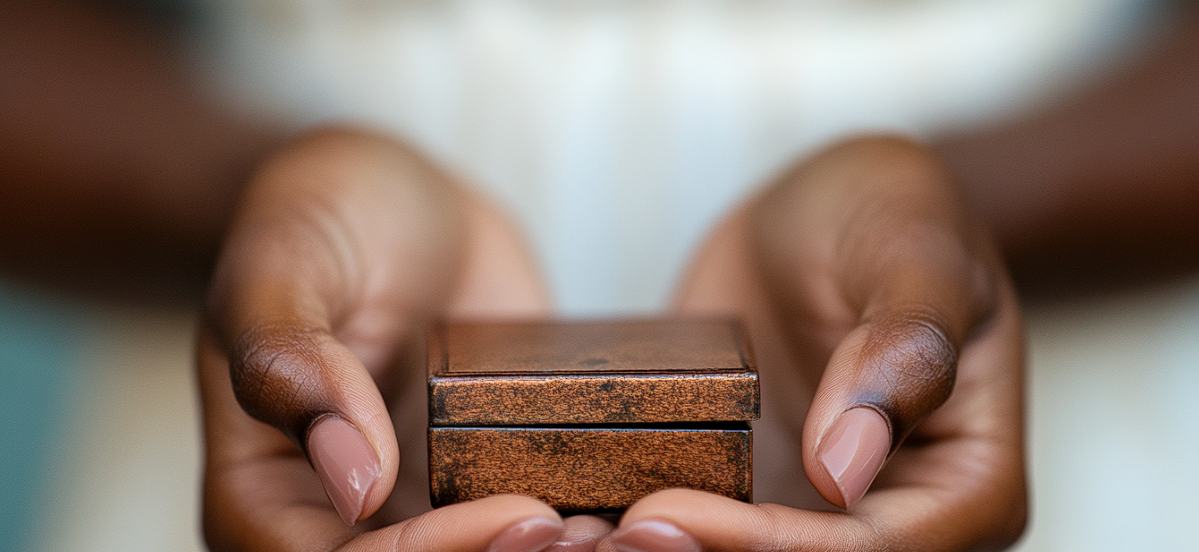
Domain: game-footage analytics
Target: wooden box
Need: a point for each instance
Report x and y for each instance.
(590, 416)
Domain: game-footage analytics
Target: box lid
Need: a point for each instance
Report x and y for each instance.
(612, 372)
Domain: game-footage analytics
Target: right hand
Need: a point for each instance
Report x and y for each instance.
(344, 246)
(888, 337)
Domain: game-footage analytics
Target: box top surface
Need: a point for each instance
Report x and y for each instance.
(637, 371)
(592, 347)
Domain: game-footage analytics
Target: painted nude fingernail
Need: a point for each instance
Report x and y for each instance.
(653, 536)
(853, 451)
(346, 464)
(581, 545)
(530, 535)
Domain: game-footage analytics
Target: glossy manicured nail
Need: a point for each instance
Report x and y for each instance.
(346, 464)
(653, 536)
(853, 451)
(581, 534)
(530, 535)
(574, 543)
(582, 545)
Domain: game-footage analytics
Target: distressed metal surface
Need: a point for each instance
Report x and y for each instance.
(617, 398)
(587, 469)
(591, 373)
(591, 347)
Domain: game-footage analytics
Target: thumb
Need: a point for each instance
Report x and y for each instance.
(924, 289)
(884, 378)
(342, 244)
(869, 250)
(294, 375)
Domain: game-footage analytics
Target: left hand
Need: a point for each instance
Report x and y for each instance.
(309, 358)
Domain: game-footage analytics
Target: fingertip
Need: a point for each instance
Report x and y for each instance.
(581, 534)
(653, 535)
(851, 453)
(717, 522)
(523, 524)
(532, 534)
(346, 463)
(884, 378)
(498, 523)
(682, 520)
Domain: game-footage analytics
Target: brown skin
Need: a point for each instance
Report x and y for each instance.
(863, 278)
(119, 173)
(1101, 189)
(345, 242)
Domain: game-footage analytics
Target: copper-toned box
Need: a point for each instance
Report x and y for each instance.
(590, 416)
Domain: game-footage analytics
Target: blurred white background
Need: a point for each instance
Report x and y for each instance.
(619, 132)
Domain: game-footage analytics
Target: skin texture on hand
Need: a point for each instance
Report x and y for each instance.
(878, 310)
(344, 245)
(885, 325)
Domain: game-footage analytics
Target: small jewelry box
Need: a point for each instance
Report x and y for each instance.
(590, 416)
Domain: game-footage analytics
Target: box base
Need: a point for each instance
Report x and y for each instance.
(589, 468)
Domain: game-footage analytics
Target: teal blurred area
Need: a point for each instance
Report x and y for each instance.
(99, 431)
(39, 340)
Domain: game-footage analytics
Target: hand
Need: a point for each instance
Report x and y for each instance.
(344, 245)
(886, 332)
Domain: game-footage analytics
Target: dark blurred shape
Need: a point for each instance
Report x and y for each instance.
(1100, 191)
(119, 172)
(164, 13)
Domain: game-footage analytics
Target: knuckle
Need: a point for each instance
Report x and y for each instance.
(274, 368)
(915, 347)
(916, 361)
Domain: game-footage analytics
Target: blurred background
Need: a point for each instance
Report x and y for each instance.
(617, 133)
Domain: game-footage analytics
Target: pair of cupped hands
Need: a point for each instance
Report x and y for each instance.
(886, 330)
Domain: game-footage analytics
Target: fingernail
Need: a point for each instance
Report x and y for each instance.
(582, 545)
(651, 535)
(574, 543)
(530, 535)
(853, 451)
(346, 464)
